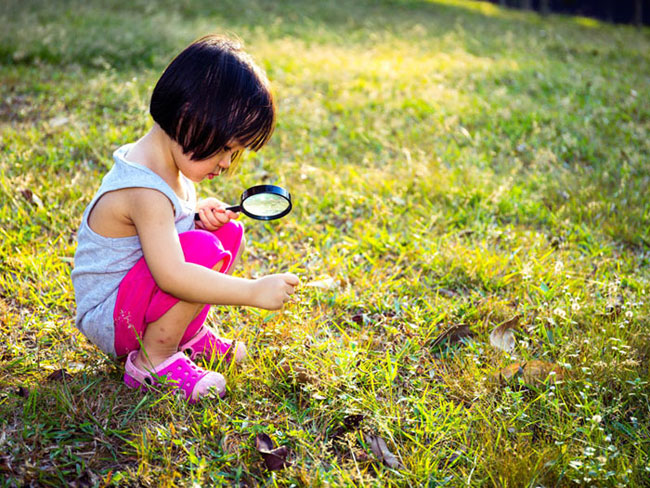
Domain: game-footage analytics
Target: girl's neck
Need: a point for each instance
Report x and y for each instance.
(154, 151)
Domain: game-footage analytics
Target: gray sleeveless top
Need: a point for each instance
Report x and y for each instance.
(101, 262)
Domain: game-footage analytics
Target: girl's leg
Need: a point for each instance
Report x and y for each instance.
(235, 350)
(150, 324)
(142, 306)
(237, 260)
(162, 337)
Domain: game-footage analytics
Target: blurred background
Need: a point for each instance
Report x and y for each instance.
(626, 11)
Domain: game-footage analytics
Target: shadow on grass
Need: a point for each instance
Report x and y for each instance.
(85, 427)
(72, 427)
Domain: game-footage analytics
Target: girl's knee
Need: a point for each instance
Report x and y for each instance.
(221, 264)
(240, 251)
(204, 248)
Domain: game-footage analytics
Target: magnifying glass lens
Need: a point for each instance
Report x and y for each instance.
(265, 204)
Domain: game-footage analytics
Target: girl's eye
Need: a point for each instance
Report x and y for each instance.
(227, 148)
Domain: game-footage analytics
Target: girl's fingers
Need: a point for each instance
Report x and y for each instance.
(222, 218)
(291, 279)
(208, 218)
(215, 217)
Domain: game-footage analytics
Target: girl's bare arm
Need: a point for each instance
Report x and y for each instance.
(153, 216)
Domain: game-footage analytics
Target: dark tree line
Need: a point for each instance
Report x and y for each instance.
(621, 11)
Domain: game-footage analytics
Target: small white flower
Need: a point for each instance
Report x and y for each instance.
(596, 419)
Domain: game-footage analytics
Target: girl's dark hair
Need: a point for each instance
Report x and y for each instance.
(212, 93)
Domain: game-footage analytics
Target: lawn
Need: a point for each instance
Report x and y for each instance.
(471, 228)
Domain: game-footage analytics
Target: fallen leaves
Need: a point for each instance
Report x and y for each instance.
(452, 335)
(22, 392)
(350, 423)
(31, 197)
(58, 121)
(59, 375)
(299, 374)
(274, 458)
(532, 372)
(344, 445)
(381, 451)
(56, 376)
(502, 337)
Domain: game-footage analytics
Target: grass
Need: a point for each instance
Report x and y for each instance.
(452, 164)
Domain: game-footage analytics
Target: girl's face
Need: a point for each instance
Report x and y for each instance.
(197, 171)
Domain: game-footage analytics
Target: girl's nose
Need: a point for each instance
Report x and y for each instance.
(225, 161)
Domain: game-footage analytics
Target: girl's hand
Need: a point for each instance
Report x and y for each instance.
(213, 214)
(273, 291)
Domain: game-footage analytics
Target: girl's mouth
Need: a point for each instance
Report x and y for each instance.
(212, 175)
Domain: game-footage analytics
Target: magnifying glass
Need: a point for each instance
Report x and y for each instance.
(262, 202)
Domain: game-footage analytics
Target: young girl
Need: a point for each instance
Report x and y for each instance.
(144, 277)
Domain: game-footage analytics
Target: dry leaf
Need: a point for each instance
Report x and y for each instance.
(274, 458)
(325, 283)
(532, 371)
(299, 374)
(58, 375)
(58, 121)
(381, 451)
(360, 456)
(5, 464)
(31, 197)
(453, 335)
(503, 337)
(350, 423)
(358, 318)
(23, 392)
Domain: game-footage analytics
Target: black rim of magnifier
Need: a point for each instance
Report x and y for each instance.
(254, 190)
(273, 189)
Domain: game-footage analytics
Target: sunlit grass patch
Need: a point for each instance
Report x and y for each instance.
(453, 166)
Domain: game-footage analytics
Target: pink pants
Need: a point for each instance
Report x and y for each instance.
(140, 301)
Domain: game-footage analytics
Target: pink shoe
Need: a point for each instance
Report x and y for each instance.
(206, 343)
(178, 370)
